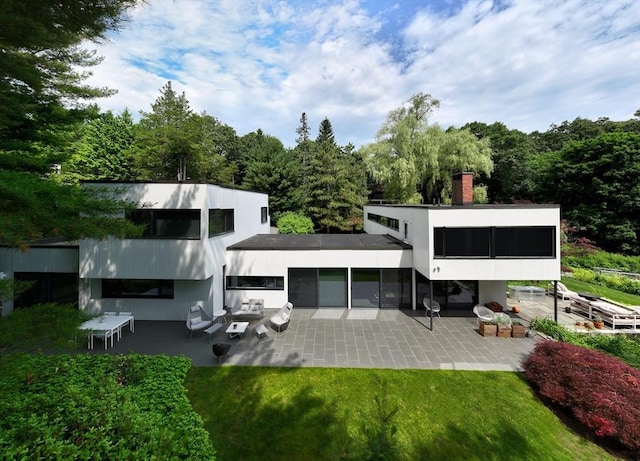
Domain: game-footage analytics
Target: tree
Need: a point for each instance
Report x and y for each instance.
(167, 139)
(294, 223)
(335, 186)
(596, 182)
(513, 150)
(219, 146)
(102, 150)
(42, 99)
(409, 154)
(273, 170)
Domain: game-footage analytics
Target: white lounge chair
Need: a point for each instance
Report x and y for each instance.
(197, 319)
(563, 291)
(282, 318)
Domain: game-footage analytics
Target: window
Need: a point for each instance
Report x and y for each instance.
(220, 221)
(494, 242)
(252, 282)
(134, 288)
(46, 287)
(391, 223)
(167, 224)
(264, 214)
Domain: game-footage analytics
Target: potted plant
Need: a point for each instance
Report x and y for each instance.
(504, 326)
(598, 323)
(489, 328)
(517, 330)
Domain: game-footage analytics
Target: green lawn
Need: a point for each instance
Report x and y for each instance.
(254, 413)
(602, 291)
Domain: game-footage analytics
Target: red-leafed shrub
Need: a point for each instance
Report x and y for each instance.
(602, 392)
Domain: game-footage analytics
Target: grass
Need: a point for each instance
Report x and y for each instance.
(602, 291)
(254, 413)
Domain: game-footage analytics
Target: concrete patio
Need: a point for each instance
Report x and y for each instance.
(359, 338)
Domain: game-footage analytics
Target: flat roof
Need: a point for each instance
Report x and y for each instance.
(475, 206)
(295, 242)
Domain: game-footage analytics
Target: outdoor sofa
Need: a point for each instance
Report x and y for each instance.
(613, 314)
(250, 309)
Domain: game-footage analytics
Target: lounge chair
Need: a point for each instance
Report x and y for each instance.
(563, 291)
(282, 318)
(197, 319)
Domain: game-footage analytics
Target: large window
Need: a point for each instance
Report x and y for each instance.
(167, 224)
(494, 242)
(318, 287)
(220, 221)
(389, 288)
(46, 287)
(137, 288)
(252, 282)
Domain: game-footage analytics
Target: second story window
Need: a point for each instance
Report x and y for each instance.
(220, 221)
(167, 224)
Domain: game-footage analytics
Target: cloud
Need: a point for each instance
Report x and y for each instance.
(260, 64)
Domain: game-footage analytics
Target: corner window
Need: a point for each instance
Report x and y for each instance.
(221, 221)
(252, 282)
(136, 288)
(167, 224)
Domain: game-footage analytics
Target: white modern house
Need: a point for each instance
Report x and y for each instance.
(211, 245)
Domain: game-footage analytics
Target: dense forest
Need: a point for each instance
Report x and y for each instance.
(51, 138)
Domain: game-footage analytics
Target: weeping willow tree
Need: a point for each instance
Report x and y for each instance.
(415, 161)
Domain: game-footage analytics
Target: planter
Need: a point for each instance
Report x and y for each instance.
(504, 332)
(598, 325)
(488, 329)
(515, 309)
(518, 331)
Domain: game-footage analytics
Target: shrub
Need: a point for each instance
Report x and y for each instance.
(294, 223)
(600, 391)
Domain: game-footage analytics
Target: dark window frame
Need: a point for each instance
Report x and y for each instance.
(264, 214)
(154, 221)
(123, 289)
(498, 242)
(266, 282)
(391, 223)
(221, 221)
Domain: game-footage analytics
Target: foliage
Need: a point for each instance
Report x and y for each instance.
(619, 283)
(313, 413)
(602, 199)
(33, 208)
(513, 152)
(102, 150)
(600, 391)
(381, 429)
(626, 348)
(273, 170)
(334, 184)
(41, 327)
(294, 223)
(408, 151)
(573, 256)
(112, 407)
(603, 292)
(42, 99)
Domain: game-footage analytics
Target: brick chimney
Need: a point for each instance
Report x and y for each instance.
(462, 189)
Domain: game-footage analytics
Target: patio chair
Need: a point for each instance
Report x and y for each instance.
(435, 307)
(484, 314)
(282, 318)
(197, 319)
(563, 292)
(104, 335)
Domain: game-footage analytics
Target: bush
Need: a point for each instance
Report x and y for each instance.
(98, 407)
(294, 223)
(600, 391)
(624, 284)
(626, 348)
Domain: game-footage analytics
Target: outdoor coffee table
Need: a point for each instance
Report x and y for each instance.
(237, 329)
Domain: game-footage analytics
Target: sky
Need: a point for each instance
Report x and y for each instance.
(259, 64)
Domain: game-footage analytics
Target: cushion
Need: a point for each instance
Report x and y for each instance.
(255, 308)
(196, 320)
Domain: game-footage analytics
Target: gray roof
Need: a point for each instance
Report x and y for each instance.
(320, 242)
